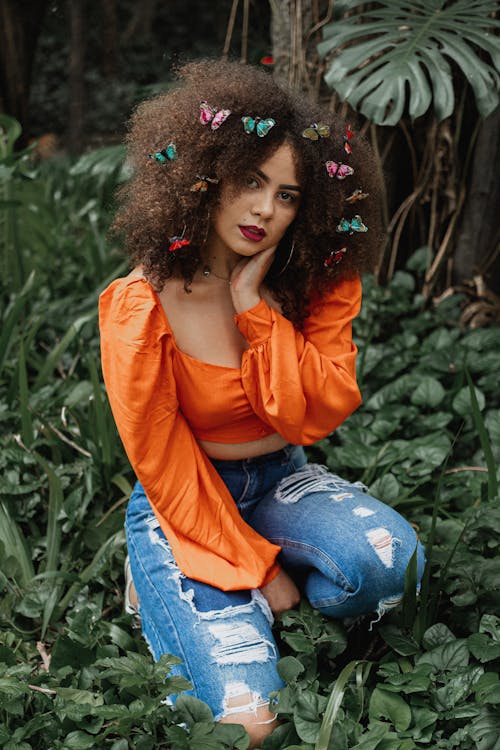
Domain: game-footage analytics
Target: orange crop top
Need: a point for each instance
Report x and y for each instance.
(299, 384)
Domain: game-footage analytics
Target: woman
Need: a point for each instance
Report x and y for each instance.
(226, 349)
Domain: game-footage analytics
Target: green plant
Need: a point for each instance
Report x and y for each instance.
(73, 671)
(388, 50)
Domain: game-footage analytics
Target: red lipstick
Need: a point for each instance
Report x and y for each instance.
(254, 234)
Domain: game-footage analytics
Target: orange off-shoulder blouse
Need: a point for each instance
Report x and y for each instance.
(299, 384)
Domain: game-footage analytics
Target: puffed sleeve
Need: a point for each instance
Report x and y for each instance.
(209, 539)
(303, 383)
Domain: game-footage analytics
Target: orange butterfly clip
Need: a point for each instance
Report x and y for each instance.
(202, 185)
(357, 195)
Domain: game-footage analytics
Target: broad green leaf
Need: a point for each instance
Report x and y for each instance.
(447, 657)
(289, 668)
(120, 745)
(429, 393)
(386, 488)
(459, 685)
(462, 401)
(487, 688)
(232, 735)
(386, 58)
(10, 130)
(80, 696)
(192, 710)
(401, 643)
(385, 705)
(79, 741)
(437, 635)
(307, 715)
(485, 729)
(483, 647)
(373, 737)
(283, 736)
(298, 642)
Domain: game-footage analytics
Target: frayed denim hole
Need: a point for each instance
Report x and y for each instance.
(208, 600)
(237, 641)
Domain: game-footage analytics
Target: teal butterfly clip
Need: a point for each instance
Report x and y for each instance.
(352, 225)
(165, 155)
(261, 127)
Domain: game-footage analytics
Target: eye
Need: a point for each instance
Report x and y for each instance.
(251, 182)
(287, 197)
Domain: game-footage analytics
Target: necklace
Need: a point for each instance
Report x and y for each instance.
(207, 271)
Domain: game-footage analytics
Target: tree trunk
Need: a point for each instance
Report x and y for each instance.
(20, 24)
(110, 39)
(296, 62)
(479, 231)
(141, 23)
(76, 76)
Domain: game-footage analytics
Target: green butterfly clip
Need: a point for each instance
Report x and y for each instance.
(316, 130)
(352, 225)
(165, 155)
(262, 127)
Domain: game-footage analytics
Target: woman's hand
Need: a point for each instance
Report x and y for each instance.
(247, 277)
(281, 593)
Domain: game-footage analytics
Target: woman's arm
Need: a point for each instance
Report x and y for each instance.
(209, 539)
(303, 384)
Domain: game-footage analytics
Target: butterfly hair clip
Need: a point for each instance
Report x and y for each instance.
(340, 171)
(316, 130)
(177, 241)
(347, 139)
(203, 183)
(335, 257)
(174, 243)
(352, 225)
(165, 155)
(213, 115)
(357, 195)
(260, 126)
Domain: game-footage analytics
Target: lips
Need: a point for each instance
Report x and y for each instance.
(254, 234)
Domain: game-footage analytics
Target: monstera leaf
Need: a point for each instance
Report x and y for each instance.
(400, 48)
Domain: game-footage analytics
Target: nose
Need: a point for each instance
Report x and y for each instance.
(263, 204)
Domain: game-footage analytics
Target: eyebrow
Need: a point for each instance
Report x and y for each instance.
(282, 187)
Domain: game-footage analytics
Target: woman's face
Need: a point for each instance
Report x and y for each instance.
(257, 217)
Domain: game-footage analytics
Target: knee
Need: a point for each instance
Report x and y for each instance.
(258, 723)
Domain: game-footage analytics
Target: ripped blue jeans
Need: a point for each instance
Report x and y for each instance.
(346, 551)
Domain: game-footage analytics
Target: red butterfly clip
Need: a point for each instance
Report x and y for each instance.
(176, 242)
(348, 135)
(335, 257)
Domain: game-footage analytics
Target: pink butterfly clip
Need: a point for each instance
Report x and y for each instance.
(340, 171)
(212, 115)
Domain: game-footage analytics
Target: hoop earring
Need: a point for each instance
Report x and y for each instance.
(288, 259)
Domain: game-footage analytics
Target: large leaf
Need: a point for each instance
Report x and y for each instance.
(396, 48)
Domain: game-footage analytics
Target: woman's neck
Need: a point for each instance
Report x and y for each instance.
(218, 259)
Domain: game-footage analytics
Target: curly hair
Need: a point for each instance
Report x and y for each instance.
(158, 203)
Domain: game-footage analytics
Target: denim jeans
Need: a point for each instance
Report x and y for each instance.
(346, 551)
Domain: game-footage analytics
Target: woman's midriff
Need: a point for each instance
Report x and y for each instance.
(237, 451)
